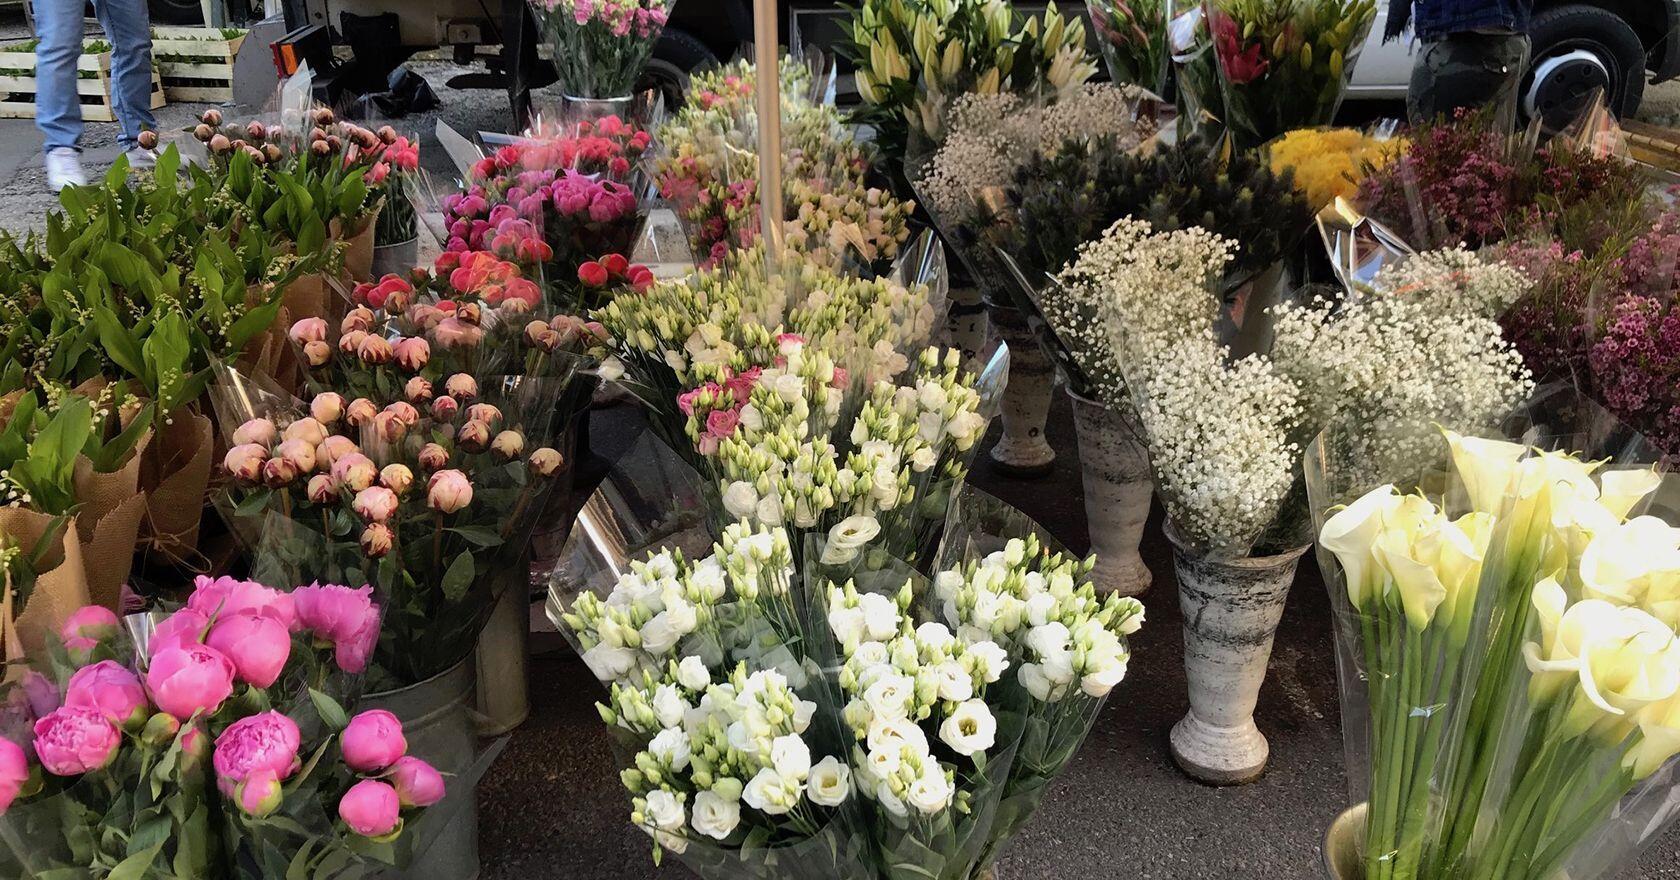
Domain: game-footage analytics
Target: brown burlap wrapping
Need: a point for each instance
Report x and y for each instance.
(358, 254)
(108, 521)
(59, 590)
(175, 475)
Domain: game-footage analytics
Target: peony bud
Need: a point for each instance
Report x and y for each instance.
(445, 408)
(371, 809)
(474, 437)
(259, 795)
(404, 412)
(358, 319)
(360, 412)
(351, 341)
(461, 386)
(189, 679)
(160, 730)
(334, 448)
(322, 489)
(255, 431)
(375, 351)
(308, 330)
(376, 540)
(211, 117)
(373, 741)
(413, 353)
(508, 444)
(258, 645)
(306, 429)
(486, 413)
(301, 453)
(111, 688)
(432, 456)
(396, 477)
(278, 473)
(245, 462)
(355, 472)
(317, 353)
(375, 504)
(417, 389)
(448, 491)
(418, 783)
(389, 428)
(546, 461)
(327, 407)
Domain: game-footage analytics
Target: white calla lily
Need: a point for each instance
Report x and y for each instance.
(1351, 533)
(1486, 467)
(1622, 490)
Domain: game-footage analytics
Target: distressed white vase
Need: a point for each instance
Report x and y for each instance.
(1022, 450)
(965, 325)
(1118, 491)
(1231, 612)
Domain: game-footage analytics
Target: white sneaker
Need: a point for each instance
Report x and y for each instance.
(64, 168)
(140, 157)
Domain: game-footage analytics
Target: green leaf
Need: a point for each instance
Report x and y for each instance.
(135, 866)
(252, 323)
(478, 536)
(119, 343)
(331, 712)
(458, 579)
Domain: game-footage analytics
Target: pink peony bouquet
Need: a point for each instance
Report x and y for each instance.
(555, 201)
(600, 47)
(207, 742)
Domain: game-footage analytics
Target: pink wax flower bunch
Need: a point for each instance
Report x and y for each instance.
(601, 46)
(200, 718)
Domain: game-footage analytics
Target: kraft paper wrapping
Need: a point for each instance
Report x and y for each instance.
(108, 521)
(59, 590)
(358, 252)
(175, 475)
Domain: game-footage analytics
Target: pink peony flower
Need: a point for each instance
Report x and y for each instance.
(257, 644)
(355, 471)
(190, 680)
(432, 456)
(266, 742)
(259, 795)
(14, 772)
(375, 504)
(322, 489)
(461, 386)
(306, 429)
(334, 448)
(259, 431)
(373, 741)
(299, 453)
(376, 540)
(360, 412)
(417, 389)
(73, 740)
(396, 477)
(327, 407)
(111, 688)
(308, 330)
(184, 627)
(418, 783)
(344, 616)
(225, 595)
(413, 353)
(371, 808)
(244, 463)
(455, 333)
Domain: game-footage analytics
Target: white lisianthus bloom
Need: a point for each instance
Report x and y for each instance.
(847, 625)
(740, 499)
(608, 663)
(955, 683)
(803, 712)
(889, 697)
(611, 369)
(767, 793)
(848, 537)
(946, 584)
(1101, 680)
(714, 815)
(931, 792)
(892, 803)
(658, 635)
(1049, 640)
(669, 706)
(970, 729)
(1037, 684)
(770, 510)
(935, 636)
(880, 616)
(830, 783)
(791, 757)
(895, 735)
(923, 459)
(870, 653)
(664, 811)
(1039, 607)
(671, 748)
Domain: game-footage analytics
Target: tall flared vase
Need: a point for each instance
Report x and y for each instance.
(1022, 450)
(965, 325)
(1231, 612)
(1118, 492)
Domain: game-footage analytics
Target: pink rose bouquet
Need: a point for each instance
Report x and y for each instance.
(217, 721)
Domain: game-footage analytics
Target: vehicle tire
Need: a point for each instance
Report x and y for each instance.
(677, 55)
(176, 11)
(1577, 50)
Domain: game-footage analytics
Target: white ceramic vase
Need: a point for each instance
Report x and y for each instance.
(1231, 612)
(1022, 450)
(1118, 492)
(965, 325)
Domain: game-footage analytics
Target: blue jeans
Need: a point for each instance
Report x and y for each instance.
(58, 111)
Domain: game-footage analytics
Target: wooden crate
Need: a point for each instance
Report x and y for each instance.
(93, 84)
(196, 63)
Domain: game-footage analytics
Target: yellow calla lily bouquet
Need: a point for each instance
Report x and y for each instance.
(1515, 639)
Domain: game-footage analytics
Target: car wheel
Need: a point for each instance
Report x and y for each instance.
(677, 55)
(1580, 50)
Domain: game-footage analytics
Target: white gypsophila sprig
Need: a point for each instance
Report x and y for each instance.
(1455, 281)
(1218, 436)
(1149, 289)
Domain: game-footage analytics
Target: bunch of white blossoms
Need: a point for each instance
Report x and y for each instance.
(1454, 281)
(898, 677)
(846, 220)
(1219, 440)
(1040, 607)
(663, 601)
(722, 753)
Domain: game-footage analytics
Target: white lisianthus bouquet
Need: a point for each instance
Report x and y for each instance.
(1514, 632)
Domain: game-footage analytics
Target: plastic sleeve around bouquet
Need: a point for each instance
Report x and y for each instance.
(1285, 65)
(600, 49)
(1195, 69)
(1132, 36)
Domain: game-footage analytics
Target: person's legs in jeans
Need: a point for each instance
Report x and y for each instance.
(129, 28)
(58, 112)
